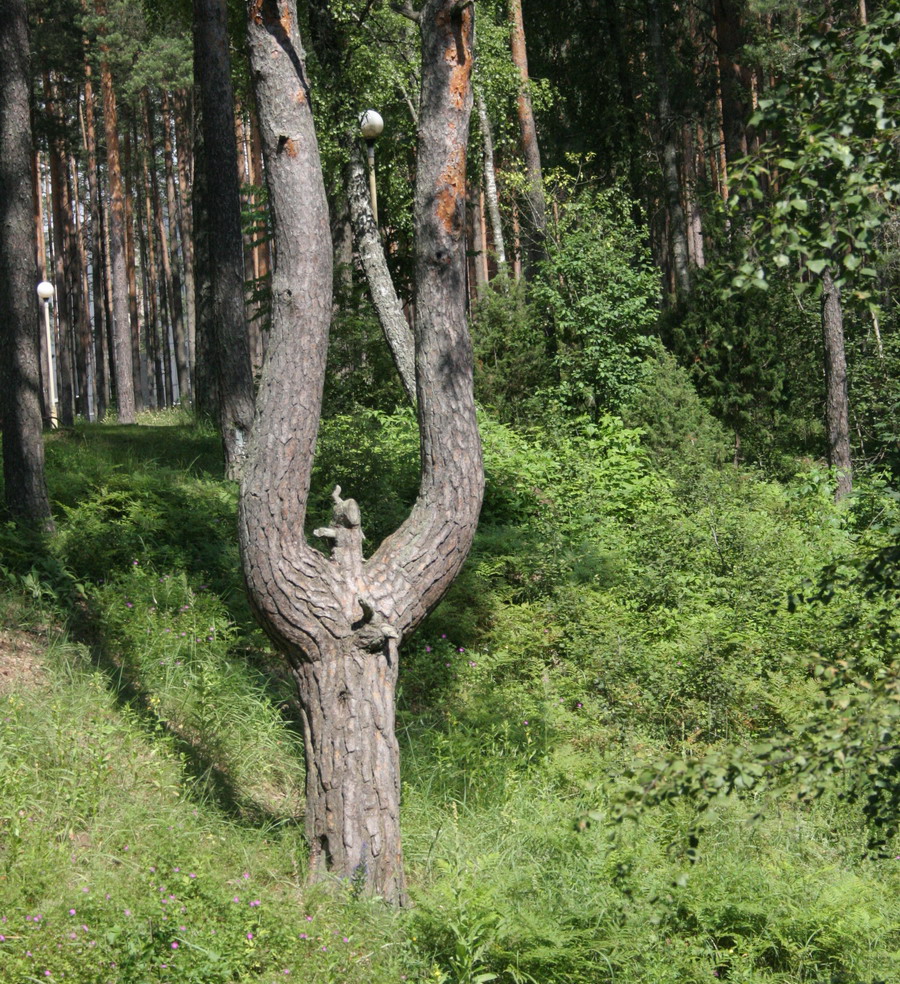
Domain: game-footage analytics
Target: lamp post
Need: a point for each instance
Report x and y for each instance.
(46, 291)
(370, 126)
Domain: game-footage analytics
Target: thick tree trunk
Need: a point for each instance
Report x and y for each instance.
(490, 183)
(837, 404)
(371, 254)
(339, 619)
(225, 242)
(534, 195)
(122, 355)
(20, 383)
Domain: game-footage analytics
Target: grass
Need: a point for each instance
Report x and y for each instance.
(151, 771)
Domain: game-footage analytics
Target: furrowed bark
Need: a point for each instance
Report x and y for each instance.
(368, 243)
(20, 384)
(123, 357)
(339, 619)
(225, 243)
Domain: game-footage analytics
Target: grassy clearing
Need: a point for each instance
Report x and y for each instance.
(150, 766)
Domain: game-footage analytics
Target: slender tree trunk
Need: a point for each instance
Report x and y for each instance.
(83, 339)
(340, 619)
(172, 289)
(696, 249)
(735, 78)
(25, 490)
(837, 404)
(206, 398)
(183, 110)
(482, 273)
(60, 211)
(226, 246)
(139, 360)
(46, 356)
(156, 285)
(490, 183)
(534, 195)
(183, 355)
(671, 177)
(381, 288)
(101, 376)
(122, 355)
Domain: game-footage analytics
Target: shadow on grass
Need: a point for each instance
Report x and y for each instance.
(156, 493)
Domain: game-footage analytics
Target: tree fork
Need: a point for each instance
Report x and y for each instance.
(340, 618)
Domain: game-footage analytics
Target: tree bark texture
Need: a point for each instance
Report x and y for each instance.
(225, 238)
(368, 243)
(101, 379)
(671, 178)
(183, 113)
(206, 399)
(490, 182)
(339, 618)
(123, 357)
(60, 212)
(20, 380)
(837, 404)
(534, 195)
(735, 79)
(179, 326)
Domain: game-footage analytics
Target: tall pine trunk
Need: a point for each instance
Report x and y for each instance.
(534, 192)
(101, 375)
(25, 490)
(225, 244)
(182, 105)
(678, 241)
(184, 352)
(122, 352)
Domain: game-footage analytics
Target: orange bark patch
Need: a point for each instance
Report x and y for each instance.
(300, 97)
(285, 19)
(458, 53)
(256, 12)
(450, 191)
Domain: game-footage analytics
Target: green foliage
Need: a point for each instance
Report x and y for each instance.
(615, 609)
(597, 296)
(832, 171)
(754, 357)
(576, 344)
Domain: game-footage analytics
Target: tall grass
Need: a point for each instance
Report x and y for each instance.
(151, 775)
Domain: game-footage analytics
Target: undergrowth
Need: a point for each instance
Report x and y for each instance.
(624, 603)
